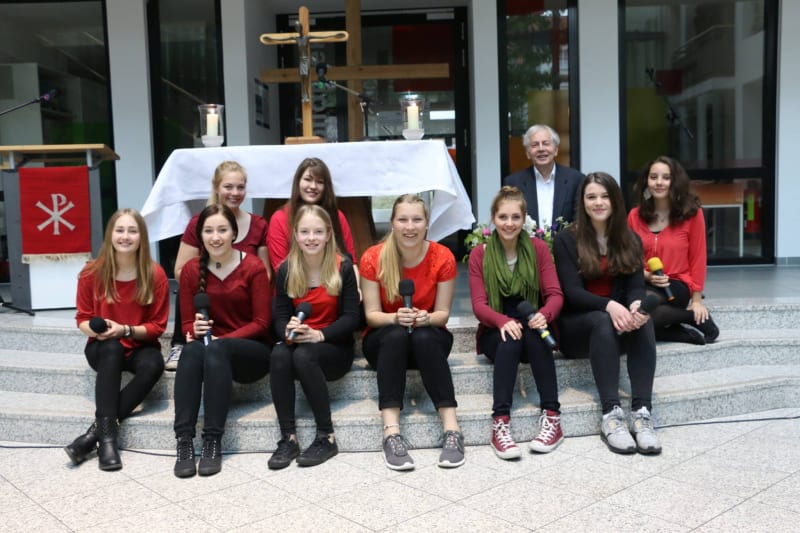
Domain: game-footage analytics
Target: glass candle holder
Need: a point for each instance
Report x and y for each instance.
(413, 109)
(212, 124)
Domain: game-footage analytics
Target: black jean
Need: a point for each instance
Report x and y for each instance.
(671, 313)
(593, 334)
(178, 338)
(313, 364)
(209, 371)
(391, 350)
(108, 359)
(506, 357)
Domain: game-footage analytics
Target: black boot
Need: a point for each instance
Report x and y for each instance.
(211, 458)
(680, 333)
(184, 463)
(107, 452)
(82, 446)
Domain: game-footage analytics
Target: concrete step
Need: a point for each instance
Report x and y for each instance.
(57, 418)
(69, 374)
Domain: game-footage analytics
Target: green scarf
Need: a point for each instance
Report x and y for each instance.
(501, 282)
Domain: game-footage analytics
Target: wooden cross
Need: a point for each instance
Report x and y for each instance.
(354, 72)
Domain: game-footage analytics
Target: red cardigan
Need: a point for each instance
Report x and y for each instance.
(549, 288)
(681, 248)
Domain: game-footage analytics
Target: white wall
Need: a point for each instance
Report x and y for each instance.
(130, 100)
(598, 50)
(787, 217)
(485, 149)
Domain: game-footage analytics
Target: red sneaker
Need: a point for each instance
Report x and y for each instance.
(550, 434)
(502, 442)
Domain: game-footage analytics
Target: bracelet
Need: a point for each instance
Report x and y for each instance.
(321, 335)
(387, 426)
(130, 331)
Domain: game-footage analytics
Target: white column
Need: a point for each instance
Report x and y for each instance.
(130, 100)
(598, 35)
(787, 190)
(484, 106)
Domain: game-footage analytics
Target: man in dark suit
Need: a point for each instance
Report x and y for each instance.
(550, 190)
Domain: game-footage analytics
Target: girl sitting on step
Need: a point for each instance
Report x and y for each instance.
(225, 304)
(599, 264)
(508, 271)
(408, 284)
(122, 306)
(318, 347)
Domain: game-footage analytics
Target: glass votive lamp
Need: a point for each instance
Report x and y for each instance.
(413, 109)
(212, 124)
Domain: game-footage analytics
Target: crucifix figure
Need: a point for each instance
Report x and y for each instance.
(304, 39)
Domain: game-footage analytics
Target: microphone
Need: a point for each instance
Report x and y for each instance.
(303, 312)
(202, 303)
(526, 309)
(98, 325)
(650, 302)
(322, 69)
(49, 95)
(657, 267)
(407, 291)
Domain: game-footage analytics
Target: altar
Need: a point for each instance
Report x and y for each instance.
(378, 168)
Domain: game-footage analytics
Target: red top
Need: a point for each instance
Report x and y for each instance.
(681, 248)
(91, 302)
(325, 307)
(256, 237)
(437, 266)
(601, 286)
(240, 304)
(279, 237)
(550, 290)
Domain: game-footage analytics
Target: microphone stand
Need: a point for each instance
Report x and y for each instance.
(362, 98)
(38, 99)
(672, 115)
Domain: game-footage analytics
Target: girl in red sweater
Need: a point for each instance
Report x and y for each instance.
(669, 221)
(122, 306)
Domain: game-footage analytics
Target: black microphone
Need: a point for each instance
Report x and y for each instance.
(407, 291)
(650, 302)
(98, 325)
(657, 267)
(525, 308)
(303, 312)
(202, 303)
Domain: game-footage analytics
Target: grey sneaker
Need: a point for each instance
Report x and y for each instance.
(615, 432)
(452, 450)
(173, 357)
(395, 453)
(642, 427)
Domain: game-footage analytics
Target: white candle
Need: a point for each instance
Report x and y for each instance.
(212, 125)
(413, 116)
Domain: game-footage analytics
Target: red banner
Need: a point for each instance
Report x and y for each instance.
(55, 212)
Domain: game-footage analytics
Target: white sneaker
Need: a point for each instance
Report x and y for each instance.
(615, 432)
(173, 357)
(643, 429)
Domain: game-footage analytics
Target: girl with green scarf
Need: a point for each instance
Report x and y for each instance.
(509, 269)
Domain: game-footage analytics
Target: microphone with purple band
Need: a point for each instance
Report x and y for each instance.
(526, 309)
(202, 304)
(407, 291)
(303, 312)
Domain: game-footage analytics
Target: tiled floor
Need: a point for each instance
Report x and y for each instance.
(742, 476)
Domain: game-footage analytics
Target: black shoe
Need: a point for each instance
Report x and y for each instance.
(709, 330)
(211, 457)
(107, 452)
(184, 464)
(680, 333)
(320, 451)
(83, 446)
(282, 457)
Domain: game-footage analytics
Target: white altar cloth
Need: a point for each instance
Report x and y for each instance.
(379, 168)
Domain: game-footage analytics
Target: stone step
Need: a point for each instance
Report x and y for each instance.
(57, 418)
(69, 374)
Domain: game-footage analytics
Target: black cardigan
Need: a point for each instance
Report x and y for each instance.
(625, 289)
(341, 330)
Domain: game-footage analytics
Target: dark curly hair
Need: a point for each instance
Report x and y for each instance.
(683, 204)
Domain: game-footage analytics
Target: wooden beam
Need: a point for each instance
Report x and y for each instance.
(363, 72)
(355, 117)
(313, 36)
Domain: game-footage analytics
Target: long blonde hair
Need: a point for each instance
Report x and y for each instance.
(389, 271)
(297, 269)
(222, 169)
(105, 266)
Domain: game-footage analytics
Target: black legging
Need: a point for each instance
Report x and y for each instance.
(107, 358)
(313, 364)
(177, 331)
(391, 351)
(209, 371)
(674, 312)
(507, 356)
(593, 333)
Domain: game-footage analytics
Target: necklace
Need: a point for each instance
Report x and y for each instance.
(511, 262)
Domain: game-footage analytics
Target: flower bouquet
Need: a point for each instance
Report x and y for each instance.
(483, 231)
